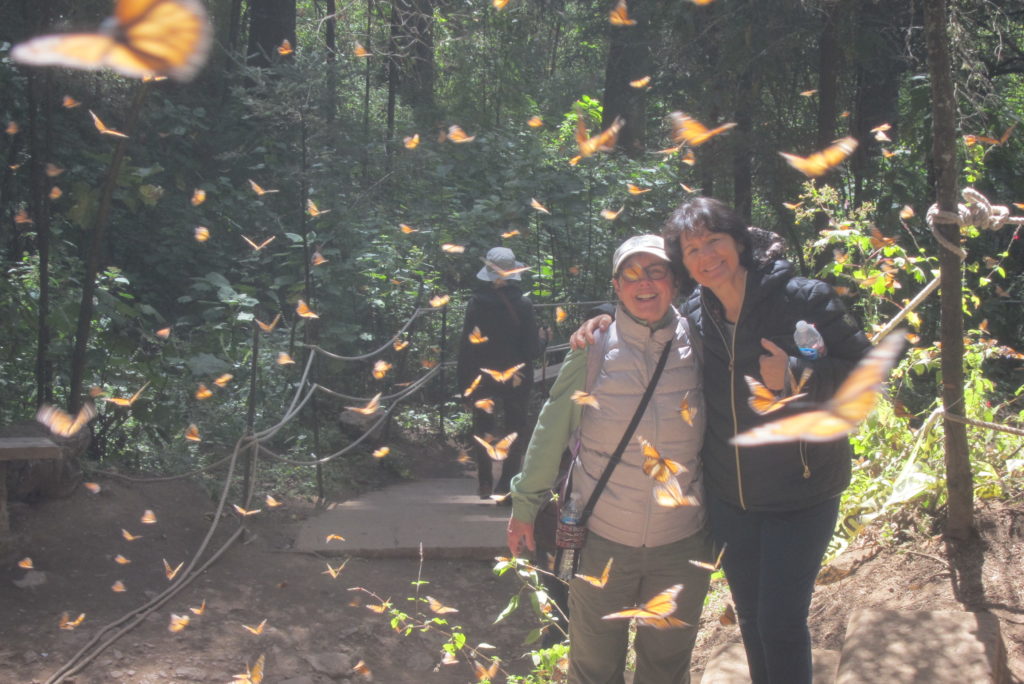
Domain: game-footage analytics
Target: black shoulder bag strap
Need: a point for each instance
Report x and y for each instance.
(628, 435)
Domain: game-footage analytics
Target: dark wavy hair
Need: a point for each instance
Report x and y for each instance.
(699, 215)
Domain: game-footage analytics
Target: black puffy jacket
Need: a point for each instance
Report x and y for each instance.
(505, 317)
(777, 476)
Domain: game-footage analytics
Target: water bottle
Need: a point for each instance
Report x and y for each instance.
(570, 515)
(809, 341)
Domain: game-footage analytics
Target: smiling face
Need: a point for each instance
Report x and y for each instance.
(712, 259)
(646, 299)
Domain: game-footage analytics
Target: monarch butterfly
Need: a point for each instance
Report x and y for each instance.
(202, 233)
(258, 629)
(223, 380)
(560, 314)
(879, 240)
(128, 536)
(439, 608)
(313, 211)
(285, 48)
(485, 405)
(102, 127)
(656, 612)
(538, 206)
(687, 129)
(144, 38)
(411, 141)
(359, 51)
(636, 189)
(838, 416)
(334, 572)
(121, 560)
(200, 610)
(272, 502)
(505, 375)
(439, 300)
(457, 135)
(171, 572)
(499, 450)
(370, 408)
(203, 392)
(380, 369)
(67, 623)
(260, 246)
(198, 197)
(92, 487)
(509, 234)
(619, 16)
(763, 401)
(333, 537)
(62, 424)
(26, 563)
(407, 229)
(253, 676)
(382, 452)
(670, 495)
(119, 401)
(284, 359)
(708, 566)
(535, 121)
(268, 327)
(69, 102)
(118, 587)
(477, 337)
(148, 517)
(399, 345)
(258, 189)
(303, 310)
(601, 581)
(585, 399)
(687, 412)
(178, 623)
(362, 668)
(488, 673)
(602, 142)
(820, 162)
(640, 82)
(659, 468)
(244, 512)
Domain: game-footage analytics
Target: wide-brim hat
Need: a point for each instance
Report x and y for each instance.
(497, 264)
(638, 244)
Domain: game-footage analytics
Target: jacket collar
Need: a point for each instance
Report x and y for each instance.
(634, 330)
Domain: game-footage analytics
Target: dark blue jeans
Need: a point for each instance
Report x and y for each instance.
(771, 563)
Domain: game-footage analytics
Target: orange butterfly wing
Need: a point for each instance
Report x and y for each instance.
(820, 162)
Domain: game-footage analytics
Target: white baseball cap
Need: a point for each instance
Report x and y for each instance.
(647, 244)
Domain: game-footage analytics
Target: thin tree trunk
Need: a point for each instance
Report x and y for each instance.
(330, 29)
(40, 93)
(271, 22)
(960, 516)
(828, 75)
(95, 254)
(628, 60)
(365, 161)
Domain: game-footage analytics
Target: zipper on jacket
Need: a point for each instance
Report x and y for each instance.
(731, 348)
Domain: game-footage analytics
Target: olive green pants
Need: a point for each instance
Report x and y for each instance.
(597, 647)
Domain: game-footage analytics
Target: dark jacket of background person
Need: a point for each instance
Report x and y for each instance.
(772, 477)
(506, 318)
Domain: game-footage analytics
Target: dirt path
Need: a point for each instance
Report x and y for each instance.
(317, 630)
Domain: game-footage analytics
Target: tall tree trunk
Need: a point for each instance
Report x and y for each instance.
(330, 39)
(95, 252)
(742, 160)
(365, 154)
(960, 517)
(271, 22)
(412, 51)
(628, 60)
(828, 76)
(234, 26)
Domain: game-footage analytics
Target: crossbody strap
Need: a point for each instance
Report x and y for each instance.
(628, 435)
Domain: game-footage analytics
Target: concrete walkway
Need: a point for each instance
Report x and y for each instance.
(444, 515)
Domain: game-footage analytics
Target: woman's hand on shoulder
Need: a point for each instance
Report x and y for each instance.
(584, 336)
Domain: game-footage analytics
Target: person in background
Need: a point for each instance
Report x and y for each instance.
(648, 544)
(499, 333)
(775, 505)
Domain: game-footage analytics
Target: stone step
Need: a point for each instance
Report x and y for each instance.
(728, 665)
(937, 647)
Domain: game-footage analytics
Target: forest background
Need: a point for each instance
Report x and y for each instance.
(339, 146)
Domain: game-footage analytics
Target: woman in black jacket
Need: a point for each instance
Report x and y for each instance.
(499, 333)
(773, 506)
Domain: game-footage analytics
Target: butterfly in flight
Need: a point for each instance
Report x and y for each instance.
(585, 399)
(370, 408)
(505, 272)
(62, 424)
(285, 48)
(67, 623)
(763, 401)
(601, 581)
(192, 433)
(439, 608)
(499, 450)
(380, 369)
(258, 629)
(708, 566)
(477, 337)
(313, 211)
(172, 572)
(670, 495)
(619, 15)
(840, 415)
(268, 327)
(504, 375)
(535, 121)
(656, 466)
(612, 214)
(686, 129)
(538, 206)
(687, 412)
(602, 142)
(657, 612)
(259, 190)
(818, 163)
(178, 623)
(303, 310)
(261, 245)
(254, 675)
(103, 129)
(120, 401)
(457, 135)
(144, 38)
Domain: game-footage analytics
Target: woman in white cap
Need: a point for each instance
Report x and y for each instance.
(648, 519)
(499, 333)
